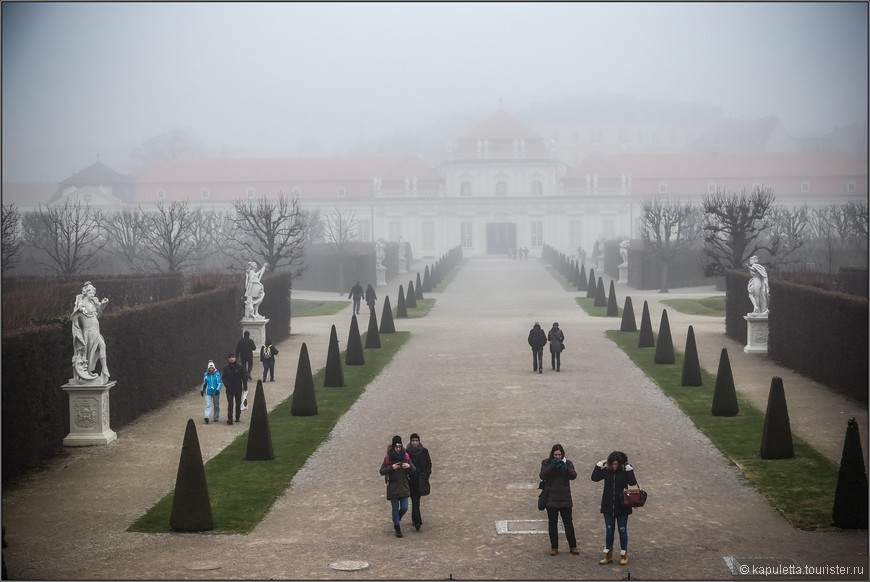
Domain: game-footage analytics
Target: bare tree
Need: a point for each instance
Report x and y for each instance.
(667, 228)
(69, 235)
(732, 226)
(858, 216)
(11, 241)
(338, 233)
(177, 143)
(272, 231)
(169, 238)
(789, 231)
(126, 231)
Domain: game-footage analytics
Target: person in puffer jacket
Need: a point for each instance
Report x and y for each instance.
(397, 470)
(616, 474)
(557, 472)
(211, 389)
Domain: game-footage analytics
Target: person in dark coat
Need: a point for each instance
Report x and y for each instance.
(537, 339)
(245, 353)
(423, 463)
(235, 379)
(267, 357)
(356, 293)
(557, 344)
(371, 297)
(617, 474)
(557, 472)
(397, 470)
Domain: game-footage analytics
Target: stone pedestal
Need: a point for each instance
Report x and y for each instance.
(257, 327)
(382, 276)
(88, 414)
(756, 334)
(623, 274)
(403, 265)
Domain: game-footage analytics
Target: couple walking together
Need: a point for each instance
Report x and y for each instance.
(538, 339)
(406, 473)
(556, 475)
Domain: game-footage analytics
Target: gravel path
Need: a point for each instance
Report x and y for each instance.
(465, 384)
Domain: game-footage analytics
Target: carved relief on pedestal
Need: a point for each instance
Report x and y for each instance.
(87, 412)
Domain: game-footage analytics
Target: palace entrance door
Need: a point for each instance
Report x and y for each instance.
(501, 237)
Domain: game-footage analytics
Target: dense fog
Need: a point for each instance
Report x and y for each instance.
(89, 80)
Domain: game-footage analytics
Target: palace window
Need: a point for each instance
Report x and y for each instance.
(805, 187)
(395, 231)
(851, 187)
(501, 188)
(608, 229)
(465, 189)
(161, 194)
(465, 235)
(663, 188)
(364, 230)
(340, 192)
(573, 234)
(711, 188)
(204, 194)
(251, 193)
(536, 238)
(537, 188)
(427, 235)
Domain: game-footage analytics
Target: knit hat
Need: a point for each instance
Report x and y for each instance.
(414, 436)
(555, 324)
(210, 364)
(397, 440)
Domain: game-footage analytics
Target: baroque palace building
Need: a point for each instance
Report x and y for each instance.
(501, 185)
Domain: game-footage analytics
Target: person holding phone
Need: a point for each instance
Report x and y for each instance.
(397, 470)
(557, 472)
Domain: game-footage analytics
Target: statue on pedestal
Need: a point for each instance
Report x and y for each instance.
(89, 347)
(623, 252)
(758, 287)
(254, 290)
(379, 250)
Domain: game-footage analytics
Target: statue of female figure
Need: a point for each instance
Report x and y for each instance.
(379, 251)
(89, 347)
(758, 287)
(623, 252)
(254, 291)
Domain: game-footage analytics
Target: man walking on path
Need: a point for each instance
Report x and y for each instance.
(356, 293)
(557, 339)
(537, 339)
(235, 379)
(245, 353)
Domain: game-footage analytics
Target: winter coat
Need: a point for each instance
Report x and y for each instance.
(245, 349)
(212, 382)
(537, 338)
(556, 338)
(614, 483)
(398, 485)
(371, 297)
(558, 477)
(356, 292)
(234, 377)
(273, 351)
(421, 461)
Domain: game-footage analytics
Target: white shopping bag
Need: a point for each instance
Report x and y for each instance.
(244, 399)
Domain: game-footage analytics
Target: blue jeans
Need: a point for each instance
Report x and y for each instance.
(213, 400)
(400, 508)
(622, 524)
(268, 369)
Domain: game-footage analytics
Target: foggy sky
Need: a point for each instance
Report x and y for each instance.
(256, 79)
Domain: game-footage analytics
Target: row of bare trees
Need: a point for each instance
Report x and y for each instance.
(733, 227)
(170, 238)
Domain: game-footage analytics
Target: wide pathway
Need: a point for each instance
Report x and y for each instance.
(464, 382)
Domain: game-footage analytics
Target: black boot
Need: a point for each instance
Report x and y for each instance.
(398, 529)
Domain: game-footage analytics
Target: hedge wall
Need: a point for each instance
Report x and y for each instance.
(321, 266)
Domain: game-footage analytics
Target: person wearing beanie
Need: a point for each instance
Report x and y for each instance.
(557, 344)
(211, 389)
(557, 472)
(617, 474)
(267, 357)
(397, 470)
(419, 485)
(537, 340)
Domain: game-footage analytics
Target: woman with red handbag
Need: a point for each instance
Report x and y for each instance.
(617, 474)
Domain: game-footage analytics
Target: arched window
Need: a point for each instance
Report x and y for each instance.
(161, 194)
(340, 192)
(465, 189)
(501, 188)
(537, 188)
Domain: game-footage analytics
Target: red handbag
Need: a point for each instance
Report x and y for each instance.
(633, 497)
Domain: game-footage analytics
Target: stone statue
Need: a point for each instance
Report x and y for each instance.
(623, 252)
(758, 287)
(401, 250)
(379, 249)
(254, 291)
(89, 347)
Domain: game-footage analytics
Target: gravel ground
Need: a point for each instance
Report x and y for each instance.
(464, 382)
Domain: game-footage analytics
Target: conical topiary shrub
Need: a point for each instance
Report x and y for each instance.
(411, 298)
(628, 322)
(645, 340)
(259, 436)
(191, 507)
(418, 288)
(600, 294)
(387, 324)
(401, 308)
(354, 354)
(373, 338)
(724, 394)
(427, 281)
(576, 279)
(850, 498)
(334, 375)
(584, 284)
(591, 288)
(612, 307)
(776, 439)
(691, 366)
(304, 401)
(665, 345)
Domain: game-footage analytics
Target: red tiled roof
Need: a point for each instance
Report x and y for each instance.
(97, 174)
(501, 125)
(721, 165)
(252, 170)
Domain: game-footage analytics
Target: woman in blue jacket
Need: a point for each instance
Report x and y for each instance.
(616, 474)
(211, 389)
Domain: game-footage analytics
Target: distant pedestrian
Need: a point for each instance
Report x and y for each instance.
(245, 353)
(267, 357)
(537, 340)
(557, 472)
(371, 297)
(397, 470)
(356, 293)
(235, 381)
(211, 389)
(557, 344)
(616, 474)
(420, 485)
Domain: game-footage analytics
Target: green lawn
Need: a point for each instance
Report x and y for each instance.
(241, 492)
(801, 488)
(712, 306)
(422, 309)
(308, 307)
(588, 306)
